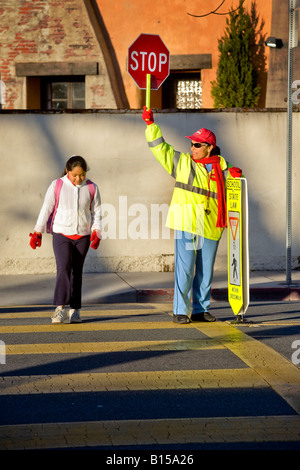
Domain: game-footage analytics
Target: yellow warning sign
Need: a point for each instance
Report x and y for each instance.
(237, 221)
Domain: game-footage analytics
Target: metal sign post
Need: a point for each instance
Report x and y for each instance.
(294, 6)
(289, 148)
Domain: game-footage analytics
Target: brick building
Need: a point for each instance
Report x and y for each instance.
(73, 53)
(51, 57)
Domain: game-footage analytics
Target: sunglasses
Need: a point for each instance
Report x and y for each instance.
(198, 145)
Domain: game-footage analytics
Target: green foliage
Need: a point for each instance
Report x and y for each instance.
(241, 61)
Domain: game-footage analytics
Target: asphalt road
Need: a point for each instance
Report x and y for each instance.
(128, 378)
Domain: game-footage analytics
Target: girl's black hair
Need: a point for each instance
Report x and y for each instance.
(75, 160)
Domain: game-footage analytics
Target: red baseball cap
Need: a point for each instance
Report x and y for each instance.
(203, 135)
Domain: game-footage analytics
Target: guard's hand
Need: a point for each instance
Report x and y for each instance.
(95, 240)
(235, 172)
(35, 240)
(148, 116)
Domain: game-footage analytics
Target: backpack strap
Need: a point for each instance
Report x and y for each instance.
(92, 190)
(58, 185)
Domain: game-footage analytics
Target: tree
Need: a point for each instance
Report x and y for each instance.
(241, 61)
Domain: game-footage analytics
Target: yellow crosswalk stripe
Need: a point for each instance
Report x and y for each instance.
(150, 432)
(279, 373)
(119, 381)
(101, 326)
(83, 313)
(112, 346)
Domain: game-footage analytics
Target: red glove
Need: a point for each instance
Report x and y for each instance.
(35, 240)
(235, 172)
(95, 240)
(148, 116)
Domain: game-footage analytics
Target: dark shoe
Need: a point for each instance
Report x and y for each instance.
(204, 316)
(181, 319)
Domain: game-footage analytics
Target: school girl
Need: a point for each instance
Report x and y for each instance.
(72, 205)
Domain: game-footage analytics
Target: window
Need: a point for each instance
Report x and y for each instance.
(63, 93)
(183, 91)
(188, 94)
(55, 85)
(67, 95)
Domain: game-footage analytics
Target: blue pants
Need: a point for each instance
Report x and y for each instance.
(194, 265)
(70, 256)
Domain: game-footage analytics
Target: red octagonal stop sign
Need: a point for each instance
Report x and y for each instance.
(148, 55)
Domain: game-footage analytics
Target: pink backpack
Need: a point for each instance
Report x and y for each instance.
(58, 185)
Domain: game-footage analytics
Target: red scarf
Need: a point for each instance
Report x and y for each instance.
(218, 177)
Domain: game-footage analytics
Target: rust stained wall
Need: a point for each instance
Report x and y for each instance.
(48, 31)
(182, 34)
(60, 31)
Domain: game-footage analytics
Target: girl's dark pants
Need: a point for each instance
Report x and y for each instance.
(70, 256)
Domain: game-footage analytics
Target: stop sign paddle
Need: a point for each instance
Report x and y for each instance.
(148, 63)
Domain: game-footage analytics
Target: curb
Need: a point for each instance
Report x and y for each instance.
(221, 294)
(264, 293)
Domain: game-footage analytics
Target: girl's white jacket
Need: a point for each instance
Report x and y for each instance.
(75, 215)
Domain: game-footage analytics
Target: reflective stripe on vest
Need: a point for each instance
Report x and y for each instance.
(195, 189)
(175, 163)
(176, 158)
(156, 142)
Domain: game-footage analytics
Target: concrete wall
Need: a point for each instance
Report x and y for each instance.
(34, 148)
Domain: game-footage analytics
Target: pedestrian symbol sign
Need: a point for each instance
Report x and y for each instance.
(238, 256)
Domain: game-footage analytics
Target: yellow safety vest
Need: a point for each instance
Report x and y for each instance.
(194, 204)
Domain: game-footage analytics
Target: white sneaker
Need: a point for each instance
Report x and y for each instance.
(60, 315)
(74, 316)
